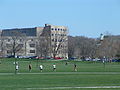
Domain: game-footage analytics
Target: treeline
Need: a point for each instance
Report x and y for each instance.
(84, 47)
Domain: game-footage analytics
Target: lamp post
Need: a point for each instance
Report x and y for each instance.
(101, 39)
(104, 57)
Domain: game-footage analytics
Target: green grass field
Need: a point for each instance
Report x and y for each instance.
(90, 75)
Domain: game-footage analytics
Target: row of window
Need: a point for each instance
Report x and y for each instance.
(58, 35)
(62, 46)
(58, 29)
(31, 51)
(20, 40)
(58, 40)
(32, 45)
(10, 45)
(9, 40)
(20, 45)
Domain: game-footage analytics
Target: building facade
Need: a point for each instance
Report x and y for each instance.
(47, 41)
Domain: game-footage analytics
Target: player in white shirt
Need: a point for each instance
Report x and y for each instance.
(54, 67)
(41, 67)
(16, 67)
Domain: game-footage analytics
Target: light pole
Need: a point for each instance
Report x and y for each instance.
(101, 41)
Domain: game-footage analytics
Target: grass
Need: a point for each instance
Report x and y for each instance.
(22, 82)
(89, 74)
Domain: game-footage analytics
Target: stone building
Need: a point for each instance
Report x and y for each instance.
(47, 41)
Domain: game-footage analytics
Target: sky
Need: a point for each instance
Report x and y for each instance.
(87, 18)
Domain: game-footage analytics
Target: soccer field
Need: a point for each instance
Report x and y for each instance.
(90, 75)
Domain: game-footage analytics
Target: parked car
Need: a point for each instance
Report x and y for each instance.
(40, 58)
(27, 57)
(32, 57)
(72, 58)
(10, 56)
(58, 58)
(115, 60)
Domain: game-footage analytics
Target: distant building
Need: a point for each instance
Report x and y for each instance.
(48, 41)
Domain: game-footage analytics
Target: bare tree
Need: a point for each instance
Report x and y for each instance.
(109, 46)
(52, 43)
(59, 43)
(15, 40)
(1, 45)
(71, 46)
(80, 46)
(43, 44)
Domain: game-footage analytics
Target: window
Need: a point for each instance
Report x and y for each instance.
(8, 51)
(60, 40)
(53, 40)
(52, 29)
(64, 29)
(55, 28)
(32, 45)
(52, 34)
(8, 45)
(32, 51)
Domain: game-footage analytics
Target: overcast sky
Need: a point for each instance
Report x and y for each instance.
(87, 18)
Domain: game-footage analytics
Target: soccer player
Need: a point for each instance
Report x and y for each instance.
(54, 67)
(30, 67)
(17, 67)
(41, 67)
(75, 67)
